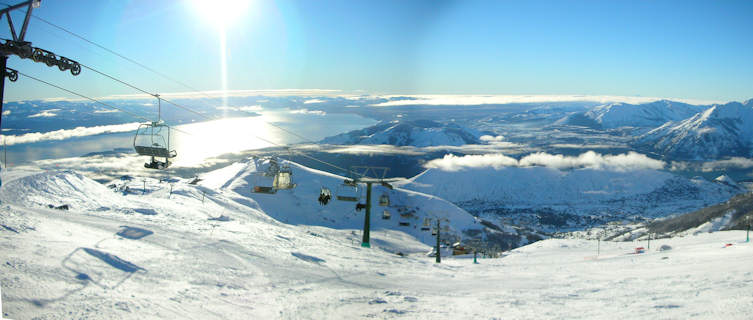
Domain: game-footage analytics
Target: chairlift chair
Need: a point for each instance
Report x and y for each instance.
(260, 187)
(284, 179)
(153, 139)
(348, 191)
(386, 215)
(324, 196)
(427, 225)
(384, 200)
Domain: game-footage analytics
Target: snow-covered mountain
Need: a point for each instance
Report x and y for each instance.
(418, 133)
(720, 131)
(100, 262)
(552, 200)
(649, 115)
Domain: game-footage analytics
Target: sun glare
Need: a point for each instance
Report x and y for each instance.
(221, 13)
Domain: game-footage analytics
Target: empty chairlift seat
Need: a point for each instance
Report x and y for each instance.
(348, 191)
(153, 139)
(384, 200)
(284, 179)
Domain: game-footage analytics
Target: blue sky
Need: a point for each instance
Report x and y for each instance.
(681, 49)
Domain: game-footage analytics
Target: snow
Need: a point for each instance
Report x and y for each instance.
(73, 264)
(719, 131)
(417, 133)
(651, 114)
(589, 190)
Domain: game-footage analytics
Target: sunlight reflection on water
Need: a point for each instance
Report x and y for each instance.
(204, 139)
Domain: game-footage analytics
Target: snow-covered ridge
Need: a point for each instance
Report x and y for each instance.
(231, 187)
(651, 114)
(720, 131)
(418, 133)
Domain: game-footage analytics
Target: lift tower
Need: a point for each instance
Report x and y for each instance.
(18, 46)
(362, 176)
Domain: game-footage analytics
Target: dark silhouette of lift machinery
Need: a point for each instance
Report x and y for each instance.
(361, 176)
(18, 46)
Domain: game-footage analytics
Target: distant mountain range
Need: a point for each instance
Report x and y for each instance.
(678, 130)
(719, 131)
(418, 133)
(652, 114)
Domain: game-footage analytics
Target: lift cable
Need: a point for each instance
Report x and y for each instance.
(154, 95)
(155, 72)
(215, 118)
(140, 117)
(113, 52)
(173, 128)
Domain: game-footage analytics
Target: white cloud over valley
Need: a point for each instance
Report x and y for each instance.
(592, 160)
(68, 133)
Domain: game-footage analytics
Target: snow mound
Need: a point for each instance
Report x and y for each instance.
(726, 180)
(58, 188)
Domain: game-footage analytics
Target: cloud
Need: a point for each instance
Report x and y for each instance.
(307, 111)
(592, 160)
(106, 111)
(586, 146)
(454, 163)
(352, 106)
(313, 101)
(505, 99)
(45, 114)
(621, 162)
(253, 108)
(491, 139)
(6, 112)
(731, 163)
(68, 133)
(374, 149)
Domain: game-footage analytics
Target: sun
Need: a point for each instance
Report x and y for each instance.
(220, 13)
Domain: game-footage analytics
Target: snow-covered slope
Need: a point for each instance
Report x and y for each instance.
(555, 200)
(720, 131)
(300, 206)
(651, 115)
(74, 265)
(145, 249)
(419, 133)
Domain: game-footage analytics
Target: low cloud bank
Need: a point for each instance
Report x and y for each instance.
(505, 99)
(249, 109)
(68, 133)
(592, 160)
(307, 111)
(731, 163)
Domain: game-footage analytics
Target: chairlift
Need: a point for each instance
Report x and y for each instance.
(260, 187)
(324, 196)
(427, 225)
(348, 191)
(284, 179)
(384, 200)
(404, 224)
(386, 215)
(153, 139)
